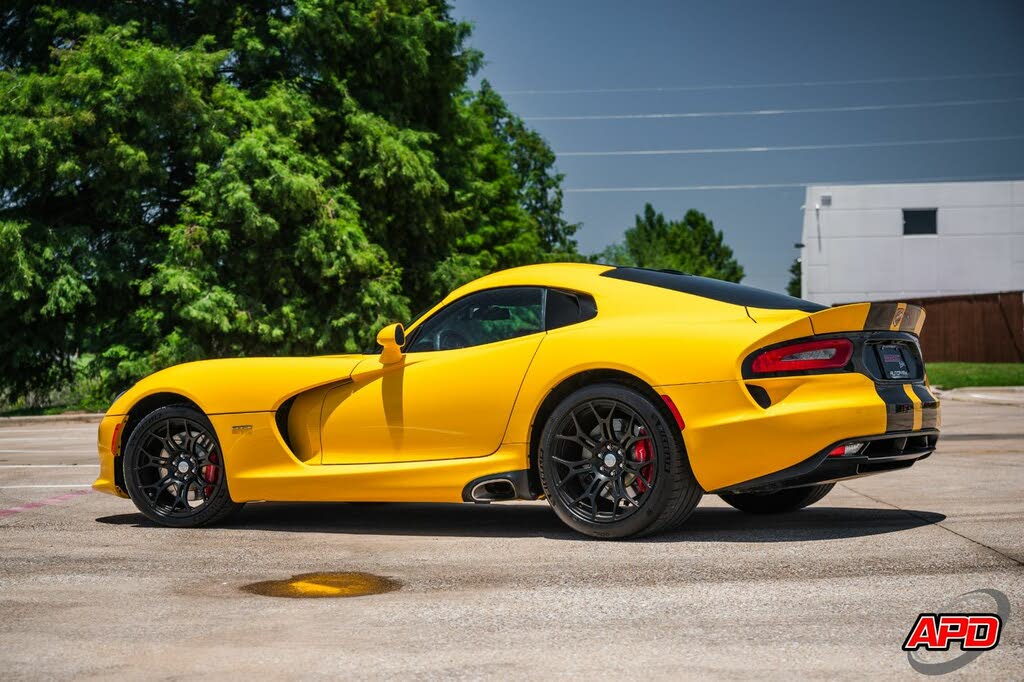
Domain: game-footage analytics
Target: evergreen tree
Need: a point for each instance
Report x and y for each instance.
(691, 245)
(182, 180)
(795, 279)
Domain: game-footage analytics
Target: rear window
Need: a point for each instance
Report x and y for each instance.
(716, 289)
(565, 308)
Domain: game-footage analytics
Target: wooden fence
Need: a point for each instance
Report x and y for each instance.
(973, 328)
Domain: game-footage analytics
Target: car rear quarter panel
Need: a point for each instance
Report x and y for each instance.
(656, 351)
(731, 439)
(692, 351)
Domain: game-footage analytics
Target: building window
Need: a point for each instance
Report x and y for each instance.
(919, 221)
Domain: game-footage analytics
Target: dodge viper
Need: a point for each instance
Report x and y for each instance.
(620, 395)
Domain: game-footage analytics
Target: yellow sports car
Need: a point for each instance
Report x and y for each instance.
(621, 395)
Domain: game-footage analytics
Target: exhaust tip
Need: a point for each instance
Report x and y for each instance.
(498, 487)
(493, 490)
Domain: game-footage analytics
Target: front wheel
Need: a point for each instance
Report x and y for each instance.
(778, 502)
(174, 469)
(613, 465)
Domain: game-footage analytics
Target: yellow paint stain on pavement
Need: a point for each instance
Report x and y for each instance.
(324, 585)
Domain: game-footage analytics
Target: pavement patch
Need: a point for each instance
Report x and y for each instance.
(49, 501)
(94, 589)
(324, 585)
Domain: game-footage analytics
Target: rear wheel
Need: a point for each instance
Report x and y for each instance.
(778, 502)
(174, 469)
(612, 464)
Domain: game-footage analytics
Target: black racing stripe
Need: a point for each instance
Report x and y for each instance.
(929, 407)
(899, 408)
(910, 319)
(880, 316)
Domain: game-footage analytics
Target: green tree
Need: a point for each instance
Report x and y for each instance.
(690, 245)
(513, 198)
(182, 180)
(795, 278)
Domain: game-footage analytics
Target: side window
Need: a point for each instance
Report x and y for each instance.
(483, 317)
(565, 308)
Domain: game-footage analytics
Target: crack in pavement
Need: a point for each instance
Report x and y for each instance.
(929, 522)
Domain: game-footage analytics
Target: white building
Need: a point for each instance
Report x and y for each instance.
(884, 242)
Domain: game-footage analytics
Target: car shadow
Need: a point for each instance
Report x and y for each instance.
(708, 524)
(719, 524)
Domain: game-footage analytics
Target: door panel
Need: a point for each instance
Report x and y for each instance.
(432, 405)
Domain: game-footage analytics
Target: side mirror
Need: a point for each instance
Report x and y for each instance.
(392, 338)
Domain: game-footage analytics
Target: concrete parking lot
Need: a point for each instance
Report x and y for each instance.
(89, 588)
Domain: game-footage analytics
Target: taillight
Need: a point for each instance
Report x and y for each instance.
(807, 355)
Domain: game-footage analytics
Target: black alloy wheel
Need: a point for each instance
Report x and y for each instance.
(174, 469)
(612, 464)
(604, 460)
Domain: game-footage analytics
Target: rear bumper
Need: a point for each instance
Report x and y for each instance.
(733, 440)
(909, 407)
(883, 452)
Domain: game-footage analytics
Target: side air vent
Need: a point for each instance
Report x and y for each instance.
(281, 417)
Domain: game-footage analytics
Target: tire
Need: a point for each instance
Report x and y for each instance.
(612, 464)
(779, 502)
(174, 470)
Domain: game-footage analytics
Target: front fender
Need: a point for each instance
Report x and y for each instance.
(240, 385)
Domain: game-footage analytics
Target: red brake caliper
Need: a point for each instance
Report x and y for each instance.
(643, 454)
(210, 474)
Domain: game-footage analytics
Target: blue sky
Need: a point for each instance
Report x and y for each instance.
(563, 45)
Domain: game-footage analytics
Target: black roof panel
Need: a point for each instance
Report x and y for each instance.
(716, 289)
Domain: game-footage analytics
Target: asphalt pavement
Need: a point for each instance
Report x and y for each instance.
(90, 589)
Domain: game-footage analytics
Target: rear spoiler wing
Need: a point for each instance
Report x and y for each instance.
(843, 319)
(892, 317)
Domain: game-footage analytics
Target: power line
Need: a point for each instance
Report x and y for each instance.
(777, 112)
(754, 86)
(789, 148)
(778, 185)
